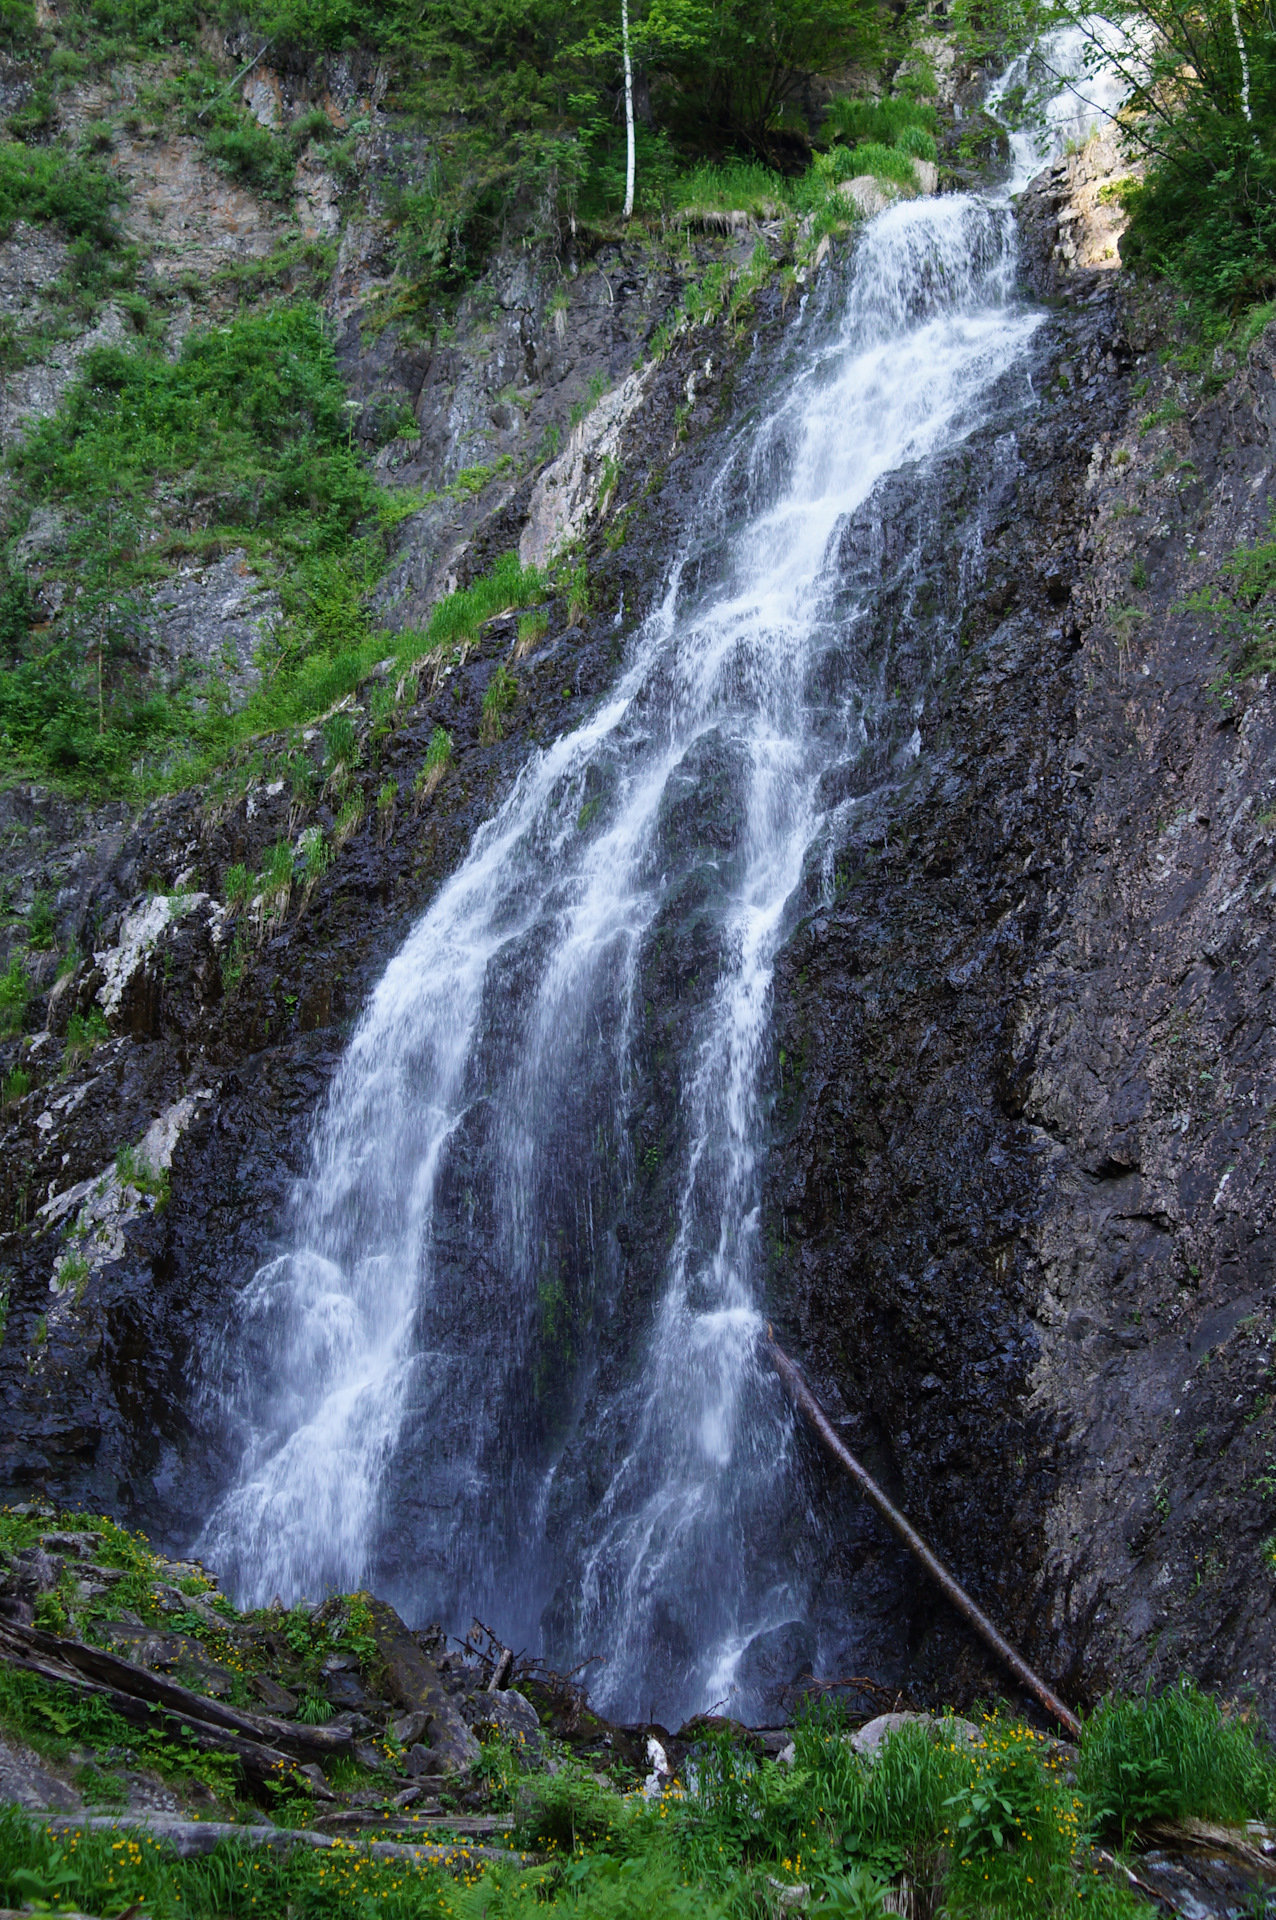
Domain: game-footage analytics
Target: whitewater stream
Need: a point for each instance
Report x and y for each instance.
(458, 1384)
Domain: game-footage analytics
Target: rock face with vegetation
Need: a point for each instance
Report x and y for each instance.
(349, 433)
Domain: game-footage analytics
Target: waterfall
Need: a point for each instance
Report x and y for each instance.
(468, 1381)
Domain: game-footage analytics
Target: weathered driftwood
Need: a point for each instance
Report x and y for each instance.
(815, 1417)
(190, 1838)
(125, 1676)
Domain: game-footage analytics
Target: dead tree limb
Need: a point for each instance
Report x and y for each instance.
(125, 1676)
(813, 1413)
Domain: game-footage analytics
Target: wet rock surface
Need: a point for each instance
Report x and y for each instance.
(1019, 1186)
(1017, 1197)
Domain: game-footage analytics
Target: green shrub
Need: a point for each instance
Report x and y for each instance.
(17, 1085)
(251, 154)
(315, 854)
(237, 886)
(341, 748)
(568, 1809)
(456, 620)
(40, 924)
(276, 876)
(47, 184)
(499, 700)
(744, 185)
(438, 758)
(1175, 1756)
(84, 1031)
(15, 991)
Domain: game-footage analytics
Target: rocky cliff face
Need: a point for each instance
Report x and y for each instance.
(1018, 1194)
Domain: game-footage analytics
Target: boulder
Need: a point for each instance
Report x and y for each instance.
(413, 1683)
(509, 1714)
(868, 1738)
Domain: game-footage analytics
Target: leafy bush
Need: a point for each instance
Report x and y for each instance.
(15, 991)
(1172, 1757)
(731, 184)
(17, 1085)
(242, 438)
(1201, 104)
(84, 1031)
(41, 184)
(568, 1809)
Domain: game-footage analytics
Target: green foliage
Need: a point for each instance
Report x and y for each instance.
(237, 885)
(891, 122)
(438, 758)
(17, 1085)
(567, 1810)
(56, 1720)
(1173, 1757)
(131, 1170)
(47, 184)
(1242, 603)
(315, 854)
(84, 1031)
(40, 926)
(456, 620)
(314, 1710)
(1201, 107)
(919, 143)
(885, 163)
(340, 743)
(244, 438)
(499, 700)
(15, 991)
(276, 875)
(746, 185)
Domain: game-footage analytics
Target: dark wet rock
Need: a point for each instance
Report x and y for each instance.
(31, 1573)
(178, 1654)
(413, 1682)
(775, 1661)
(508, 1714)
(276, 1699)
(28, 1782)
(344, 1690)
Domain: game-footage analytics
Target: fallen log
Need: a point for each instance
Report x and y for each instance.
(315, 1743)
(191, 1838)
(816, 1418)
(260, 1763)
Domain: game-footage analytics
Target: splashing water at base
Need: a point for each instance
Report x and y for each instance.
(456, 1384)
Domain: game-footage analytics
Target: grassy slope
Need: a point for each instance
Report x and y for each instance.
(1001, 1822)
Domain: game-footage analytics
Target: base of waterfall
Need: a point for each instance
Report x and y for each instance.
(162, 1752)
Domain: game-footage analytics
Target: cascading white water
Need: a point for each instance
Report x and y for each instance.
(417, 1378)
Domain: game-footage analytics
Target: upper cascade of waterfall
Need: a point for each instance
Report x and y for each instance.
(453, 1380)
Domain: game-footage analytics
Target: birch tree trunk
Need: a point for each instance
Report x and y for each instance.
(629, 110)
(1240, 48)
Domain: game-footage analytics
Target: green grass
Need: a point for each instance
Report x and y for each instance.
(985, 1827)
(1172, 1757)
(242, 442)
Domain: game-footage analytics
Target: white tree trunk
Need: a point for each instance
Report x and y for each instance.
(1240, 48)
(629, 109)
